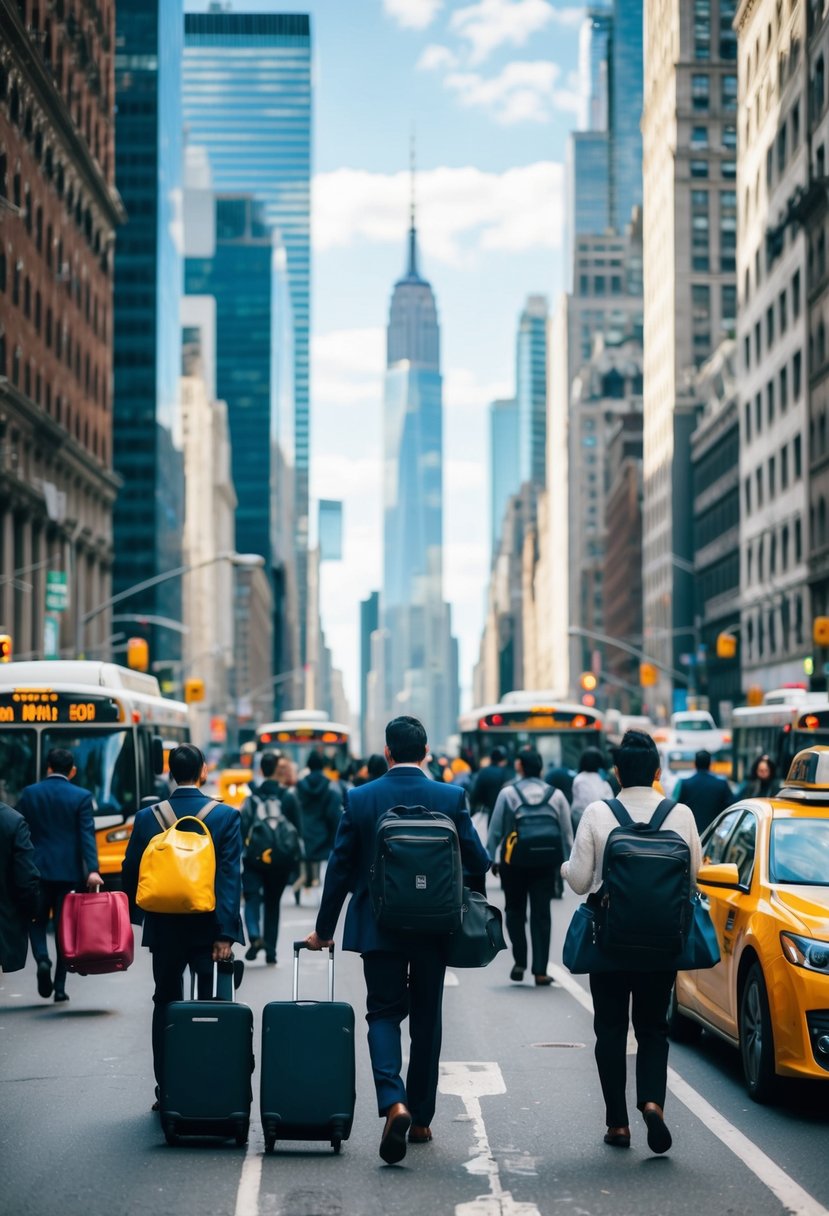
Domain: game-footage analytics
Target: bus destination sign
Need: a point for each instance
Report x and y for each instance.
(43, 706)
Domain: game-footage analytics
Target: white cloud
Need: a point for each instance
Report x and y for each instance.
(435, 58)
(461, 211)
(412, 14)
(523, 91)
(463, 391)
(490, 24)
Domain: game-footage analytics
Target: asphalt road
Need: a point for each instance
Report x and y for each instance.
(518, 1130)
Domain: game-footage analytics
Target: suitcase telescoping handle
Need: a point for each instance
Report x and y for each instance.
(216, 966)
(302, 946)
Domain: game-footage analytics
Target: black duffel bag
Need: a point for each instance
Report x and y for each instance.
(481, 935)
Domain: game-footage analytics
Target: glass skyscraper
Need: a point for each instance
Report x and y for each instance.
(626, 100)
(247, 100)
(504, 476)
(148, 517)
(531, 390)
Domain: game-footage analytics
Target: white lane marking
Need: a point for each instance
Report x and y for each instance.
(470, 1081)
(795, 1201)
(247, 1196)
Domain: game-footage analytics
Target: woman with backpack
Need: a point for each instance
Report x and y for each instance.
(645, 993)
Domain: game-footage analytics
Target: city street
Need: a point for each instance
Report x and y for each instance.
(518, 1130)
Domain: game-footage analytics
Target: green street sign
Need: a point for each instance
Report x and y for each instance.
(57, 591)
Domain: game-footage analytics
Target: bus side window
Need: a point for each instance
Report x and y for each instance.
(146, 777)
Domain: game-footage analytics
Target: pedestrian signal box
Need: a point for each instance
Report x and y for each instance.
(820, 631)
(5, 648)
(193, 690)
(138, 654)
(648, 675)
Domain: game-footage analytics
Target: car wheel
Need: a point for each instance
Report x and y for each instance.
(757, 1038)
(680, 1028)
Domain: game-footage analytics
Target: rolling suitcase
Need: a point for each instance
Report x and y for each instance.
(308, 1077)
(94, 932)
(208, 1062)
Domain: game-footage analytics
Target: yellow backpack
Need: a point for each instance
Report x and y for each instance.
(178, 868)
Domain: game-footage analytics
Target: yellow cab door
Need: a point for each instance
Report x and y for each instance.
(730, 911)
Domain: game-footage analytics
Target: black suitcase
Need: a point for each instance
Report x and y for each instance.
(308, 1076)
(208, 1062)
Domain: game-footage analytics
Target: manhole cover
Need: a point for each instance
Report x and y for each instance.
(556, 1044)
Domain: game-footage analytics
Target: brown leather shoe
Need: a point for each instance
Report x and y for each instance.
(419, 1135)
(393, 1140)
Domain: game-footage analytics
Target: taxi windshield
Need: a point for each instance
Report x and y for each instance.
(799, 852)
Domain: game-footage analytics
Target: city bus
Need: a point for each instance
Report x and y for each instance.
(788, 720)
(300, 731)
(113, 720)
(560, 731)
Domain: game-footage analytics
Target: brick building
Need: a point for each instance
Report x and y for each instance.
(58, 212)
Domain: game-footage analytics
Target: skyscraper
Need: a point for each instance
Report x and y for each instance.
(247, 99)
(531, 390)
(147, 291)
(504, 476)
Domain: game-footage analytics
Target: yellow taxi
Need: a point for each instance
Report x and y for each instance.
(233, 785)
(765, 877)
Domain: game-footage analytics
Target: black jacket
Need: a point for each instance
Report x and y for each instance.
(706, 794)
(487, 786)
(321, 805)
(19, 888)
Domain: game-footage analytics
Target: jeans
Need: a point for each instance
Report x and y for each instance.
(614, 993)
(263, 891)
(537, 885)
(52, 895)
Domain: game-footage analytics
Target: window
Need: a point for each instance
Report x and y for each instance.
(702, 29)
(782, 308)
(818, 88)
(699, 92)
(758, 341)
(784, 389)
(748, 495)
(772, 481)
(701, 315)
(729, 92)
(798, 458)
(797, 375)
(728, 230)
(699, 168)
(795, 119)
(728, 304)
(747, 427)
(784, 485)
(699, 137)
(729, 137)
(758, 413)
(770, 402)
(796, 294)
(728, 36)
(747, 351)
(700, 230)
(769, 325)
(781, 150)
(728, 168)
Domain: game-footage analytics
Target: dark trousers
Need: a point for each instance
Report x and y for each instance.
(50, 902)
(406, 984)
(537, 885)
(169, 963)
(619, 997)
(263, 892)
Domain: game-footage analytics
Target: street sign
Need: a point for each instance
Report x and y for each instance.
(51, 636)
(57, 591)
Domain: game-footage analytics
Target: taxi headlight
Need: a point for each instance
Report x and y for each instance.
(806, 952)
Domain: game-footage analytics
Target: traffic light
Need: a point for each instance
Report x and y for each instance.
(588, 681)
(726, 645)
(648, 675)
(138, 654)
(5, 648)
(193, 690)
(820, 631)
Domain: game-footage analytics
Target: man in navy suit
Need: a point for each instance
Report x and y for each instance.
(705, 793)
(195, 940)
(404, 974)
(59, 815)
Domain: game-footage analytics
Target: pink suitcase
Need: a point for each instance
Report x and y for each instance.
(94, 934)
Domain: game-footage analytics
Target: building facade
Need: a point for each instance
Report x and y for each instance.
(504, 477)
(59, 210)
(148, 285)
(531, 390)
(689, 130)
(622, 575)
(369, 624)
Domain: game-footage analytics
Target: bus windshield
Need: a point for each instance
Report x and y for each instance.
(105, 760)
(563, 748)
(18, 749)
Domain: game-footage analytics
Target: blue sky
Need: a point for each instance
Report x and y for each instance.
(490, 88)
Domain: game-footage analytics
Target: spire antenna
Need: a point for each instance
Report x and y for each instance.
(412, 267)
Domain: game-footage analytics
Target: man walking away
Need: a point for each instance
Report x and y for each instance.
(637, 767)
(180, 940)
(705, 793)
(264, 882)
(489, 782)
(320, 802)
(404, 973)
(19, 889)
(59, 815)
(522, 881)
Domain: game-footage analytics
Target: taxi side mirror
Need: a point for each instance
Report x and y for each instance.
(725, 875)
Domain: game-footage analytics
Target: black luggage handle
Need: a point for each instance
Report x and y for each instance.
(303, 945)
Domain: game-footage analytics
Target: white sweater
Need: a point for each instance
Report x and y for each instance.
(584, 869)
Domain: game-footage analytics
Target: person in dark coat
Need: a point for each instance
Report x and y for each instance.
(489, 782)
(60, 819)
(761, 782)
(705, 793)
(404, 973)
(263, 889)
(180, 940)
(19, 888)
(320, 802)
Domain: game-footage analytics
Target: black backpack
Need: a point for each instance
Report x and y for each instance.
(646, 884)
(272, 842)
(416, 877)
(536, 840)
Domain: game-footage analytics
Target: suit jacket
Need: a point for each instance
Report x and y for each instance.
(706, 794)
(350, 861)
(200, 928)
(19, 888)
(59, 815)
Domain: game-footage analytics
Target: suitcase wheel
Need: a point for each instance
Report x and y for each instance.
(170, 1133)
(270, 1142)
(336, 1143)
(241, 1132)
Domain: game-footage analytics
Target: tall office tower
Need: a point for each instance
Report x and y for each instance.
(781, 376)
(369, 624)
(531, 390)
(624, 125)
(421, 673)
(504, 475)
(58, 213)
(247, 99)
(149, 511)
(594, 67)
(690, 137)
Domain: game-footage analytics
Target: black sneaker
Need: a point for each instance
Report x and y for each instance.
(253, 949)
(44, 977)
(517, 974)
(60, 996)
